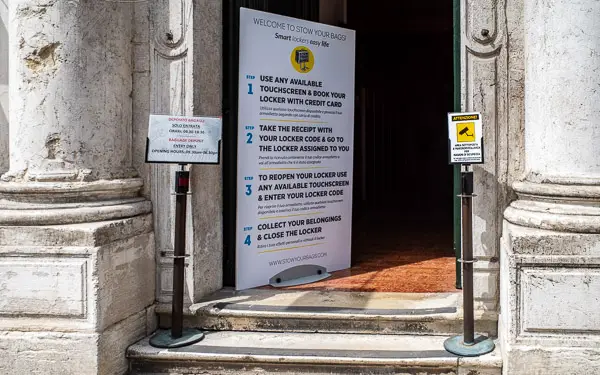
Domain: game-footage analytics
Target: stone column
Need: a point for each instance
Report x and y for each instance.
(76, 244)
(550, 288)
(3, 87)
(70, 89)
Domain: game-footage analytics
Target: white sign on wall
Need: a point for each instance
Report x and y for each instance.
(295, 146)
(465, 135)
(184, 140)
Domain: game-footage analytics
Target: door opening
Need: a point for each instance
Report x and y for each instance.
(403, 185)
(403, 214)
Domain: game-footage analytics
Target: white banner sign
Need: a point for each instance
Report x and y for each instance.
(295, 146)
(465, 138)
(184, 140)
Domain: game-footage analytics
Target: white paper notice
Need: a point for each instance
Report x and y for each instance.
(465, 138)
(295, 146)
(185, 140)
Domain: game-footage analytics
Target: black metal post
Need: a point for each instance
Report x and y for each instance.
(178, 336)
(466, 344)
(467, 256)
(182, 183)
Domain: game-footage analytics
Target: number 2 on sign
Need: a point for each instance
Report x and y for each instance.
(249, 140)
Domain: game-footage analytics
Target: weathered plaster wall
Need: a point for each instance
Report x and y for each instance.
(483, 89)
(516, 128)
(177, 70)
(492, 83)
(515, 101)
(3, 85)
(207, 198)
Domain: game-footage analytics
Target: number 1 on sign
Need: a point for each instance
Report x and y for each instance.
(250, 89)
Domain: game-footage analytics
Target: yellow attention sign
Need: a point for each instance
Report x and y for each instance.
(302, 59)
(465, 132)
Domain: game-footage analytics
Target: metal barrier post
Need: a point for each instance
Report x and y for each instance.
(467, 345)
(178, 336)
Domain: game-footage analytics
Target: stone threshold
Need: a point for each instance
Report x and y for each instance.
(330, 311)
(224, 352)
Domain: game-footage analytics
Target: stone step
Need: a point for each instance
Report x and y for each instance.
(331, 311)
(230, 352)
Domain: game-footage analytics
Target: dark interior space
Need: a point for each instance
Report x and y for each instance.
(404, 87)
(403, 186)
(404, 81)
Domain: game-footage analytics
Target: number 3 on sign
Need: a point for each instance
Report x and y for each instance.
(247, 241)
(248, 189)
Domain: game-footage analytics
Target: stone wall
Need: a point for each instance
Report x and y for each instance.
(551, 238)
(3, 85)
(492, 83)
(77, 265)
(177, 70)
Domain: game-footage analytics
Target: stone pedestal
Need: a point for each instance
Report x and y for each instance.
(77, 268)
(74, 296)
(550, 279)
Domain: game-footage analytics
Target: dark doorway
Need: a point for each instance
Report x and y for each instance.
(403, 185)
(405, 83)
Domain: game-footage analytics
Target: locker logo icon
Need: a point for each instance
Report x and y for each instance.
(302, 59)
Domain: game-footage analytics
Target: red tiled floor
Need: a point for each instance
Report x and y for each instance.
(398, 258)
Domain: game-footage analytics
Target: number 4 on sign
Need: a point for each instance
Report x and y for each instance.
(247, 241)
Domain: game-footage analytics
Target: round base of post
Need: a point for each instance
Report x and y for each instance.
(456, 345)
(163, 338)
